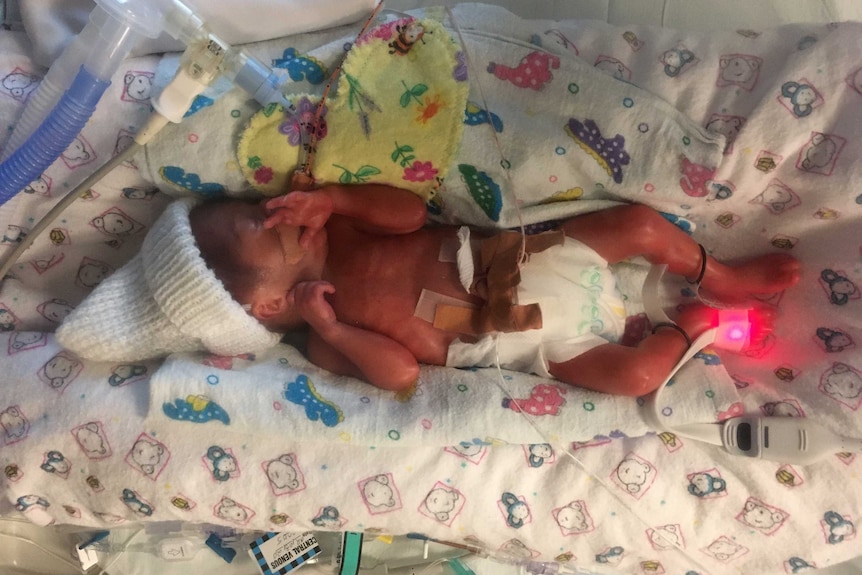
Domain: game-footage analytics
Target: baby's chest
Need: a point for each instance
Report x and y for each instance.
(380, 294)
(393, 314)
(379, 279)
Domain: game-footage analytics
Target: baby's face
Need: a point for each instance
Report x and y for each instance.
(240, 225)
(236, 228)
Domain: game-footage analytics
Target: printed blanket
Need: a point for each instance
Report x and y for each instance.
(95, 444)
(405, 101)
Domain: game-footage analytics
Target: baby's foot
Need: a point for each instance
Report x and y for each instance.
(762, 325)
(764, 275)
(696, 319)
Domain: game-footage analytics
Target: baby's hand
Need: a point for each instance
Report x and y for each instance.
(309, 298)
(308, 210)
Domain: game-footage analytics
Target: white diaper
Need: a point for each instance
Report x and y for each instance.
(581, 309)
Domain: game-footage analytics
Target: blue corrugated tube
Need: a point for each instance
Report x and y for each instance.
(51, 139)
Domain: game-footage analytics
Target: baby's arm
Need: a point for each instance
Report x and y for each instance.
(373, 208)
(349, 350)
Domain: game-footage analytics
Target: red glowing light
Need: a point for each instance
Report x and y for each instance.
(734, 329)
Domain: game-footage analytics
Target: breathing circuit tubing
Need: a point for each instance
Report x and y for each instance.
(54, 118)
(113, 28)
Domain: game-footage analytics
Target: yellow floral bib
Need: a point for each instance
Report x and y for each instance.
(396, 119)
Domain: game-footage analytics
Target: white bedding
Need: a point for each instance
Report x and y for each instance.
(400, 475)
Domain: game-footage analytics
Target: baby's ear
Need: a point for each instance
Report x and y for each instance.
(268, 306)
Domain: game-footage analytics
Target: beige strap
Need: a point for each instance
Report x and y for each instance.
(498, 277)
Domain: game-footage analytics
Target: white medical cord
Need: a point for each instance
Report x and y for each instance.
(64, 203)
(707, 432)
(562, 448)
(790, 440)
(501, 380)
(560, 567)
(472, 73)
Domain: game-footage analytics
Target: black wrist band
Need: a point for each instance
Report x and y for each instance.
(702, 266)
(676, 327)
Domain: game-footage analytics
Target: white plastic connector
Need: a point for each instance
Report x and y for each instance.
(87, 557)
(181, 22)
(653, 403)
(148, 131)
(247, 72)
(176, 549)
(200, 65)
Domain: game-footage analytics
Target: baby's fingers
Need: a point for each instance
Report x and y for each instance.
(278, 202)
(322, 287)
(312, 290)
(311, 300)
(276, 218)
(289, 200)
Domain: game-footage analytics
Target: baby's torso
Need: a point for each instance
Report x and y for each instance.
(379, 280)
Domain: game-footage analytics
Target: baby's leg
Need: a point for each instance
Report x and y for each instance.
(626, 231)
(621, 370)
(636, 371)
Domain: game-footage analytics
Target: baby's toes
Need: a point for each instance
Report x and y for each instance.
(762, 323)
(759, 333)
(791, 272)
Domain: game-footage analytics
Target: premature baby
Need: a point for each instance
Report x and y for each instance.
(353, 263)
(382, 293)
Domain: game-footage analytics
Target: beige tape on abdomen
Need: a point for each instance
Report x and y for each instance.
(426, 307)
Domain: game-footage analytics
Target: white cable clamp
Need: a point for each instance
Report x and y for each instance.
(200, 64)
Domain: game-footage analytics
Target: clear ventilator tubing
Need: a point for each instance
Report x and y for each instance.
(53, 121)
(52, 86)
(256, 78)
(103, 43)
(54, 135)
(250, 74)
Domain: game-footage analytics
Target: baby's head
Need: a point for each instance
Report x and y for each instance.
(215, 226)
(168, 299)
(258, 265)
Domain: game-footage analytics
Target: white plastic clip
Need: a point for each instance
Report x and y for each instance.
(87, 557)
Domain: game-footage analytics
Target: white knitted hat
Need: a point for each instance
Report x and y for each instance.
(164, 300)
